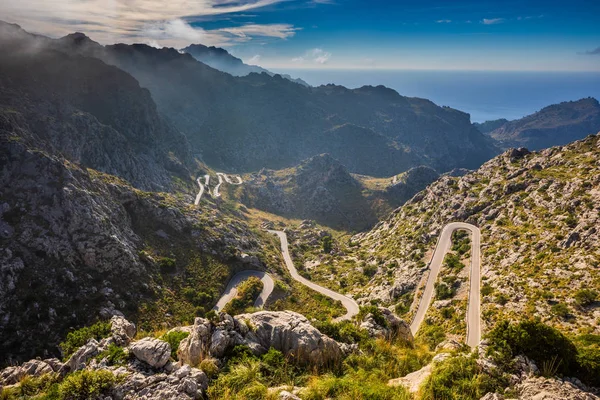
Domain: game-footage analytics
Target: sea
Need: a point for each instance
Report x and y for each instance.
(485, 95)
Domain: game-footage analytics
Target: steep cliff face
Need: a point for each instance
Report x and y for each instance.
(554, 125)
(92, 113)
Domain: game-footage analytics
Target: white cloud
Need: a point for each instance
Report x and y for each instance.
(254, 60)
(109, 21)
(492, 21)
(281, 31)
(317, 56)
(443, 21)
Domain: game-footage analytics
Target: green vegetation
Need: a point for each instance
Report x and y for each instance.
(174, 338)
(431, 335)
(548, 347)
(86, 384)
(81, 336)
(327, 244)
(247, 292)
(560, 310)
(115, 355)
(585, 297)
(459, 378)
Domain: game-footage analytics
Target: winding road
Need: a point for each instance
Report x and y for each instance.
(231, 289)
(221, 175)
(473, 310)
(202, 186)
(350, 305)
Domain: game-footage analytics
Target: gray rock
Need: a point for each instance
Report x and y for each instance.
(154, 352)
(79, 359)
(122, 330)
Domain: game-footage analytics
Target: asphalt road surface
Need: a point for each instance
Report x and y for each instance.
(202, 186)
(231, 289)
(350, 305)
(473, 311)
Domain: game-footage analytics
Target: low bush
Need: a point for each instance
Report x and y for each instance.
(431, 335)
(174, 338)
(86, 384)
(459, 378)
(79, 337)
(585, 297)
(247, 292)
(115, 355)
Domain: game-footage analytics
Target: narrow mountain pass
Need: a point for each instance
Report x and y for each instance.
(350, 305)
(473, 310)
(231, 289)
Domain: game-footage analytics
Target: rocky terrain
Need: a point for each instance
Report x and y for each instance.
(538, 214)
(322, 189)
(75, 241)
(220, 59)
(91, 113)
(254, 355)
(554, 125)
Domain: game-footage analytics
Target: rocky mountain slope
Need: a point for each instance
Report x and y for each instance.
(323, 190)
(220, 59)
(247, 123)
(75, 242)
(92, 113)
(554, 125)
(538, 214)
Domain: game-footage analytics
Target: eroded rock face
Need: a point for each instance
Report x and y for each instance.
(286, 331)
(152, 351)
(122, 330)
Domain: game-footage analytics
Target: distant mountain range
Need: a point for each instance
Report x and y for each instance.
(557, 124)
(255, 121)
(220, 59)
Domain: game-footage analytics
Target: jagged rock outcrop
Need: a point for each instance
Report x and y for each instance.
(286, 331)
(153, 352)
(122, 330)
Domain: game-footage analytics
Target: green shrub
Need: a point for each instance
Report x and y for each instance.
(585, 297)
(79, 337)
(327, 244)
(174, 338)
(561, 310)
(588, 358)
(247, 292)
(343, 331)
(369, 270)
(444, 291)
(86, 384)
(486, 289)
(431, 335)
(375, 312)
(115, 355)
(167, 265)
(459, 378)
(538, 341)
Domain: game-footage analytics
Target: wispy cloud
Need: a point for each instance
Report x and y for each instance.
(281, 31)
(443, 21)
(140, 20)
(492, 21)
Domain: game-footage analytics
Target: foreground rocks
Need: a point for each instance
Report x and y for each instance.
(286, 331)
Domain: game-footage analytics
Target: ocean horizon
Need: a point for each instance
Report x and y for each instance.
(485, 95)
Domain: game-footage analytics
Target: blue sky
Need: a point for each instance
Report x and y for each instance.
(350, 34)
